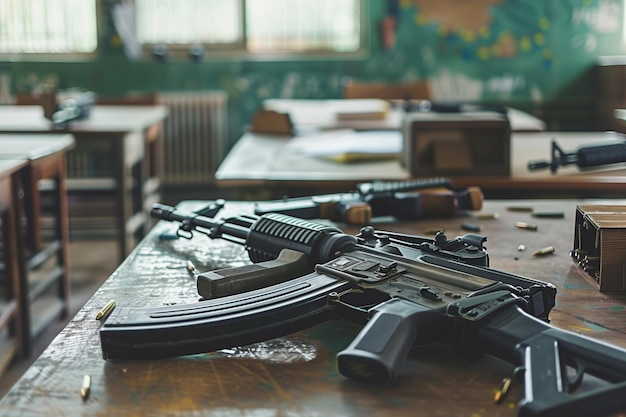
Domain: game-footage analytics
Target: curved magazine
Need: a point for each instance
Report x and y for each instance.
(238, 320)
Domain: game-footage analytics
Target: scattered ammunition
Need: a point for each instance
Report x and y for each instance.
(589, 264)
(521, 248)
(520, 209)
(470, 227)
(191, 268)
(579, 254)
(503, 390)
(488, 216)
(527, 226)
(590, 269)
(85, 387)
(544, 251)
(102, 314)
(548, 214)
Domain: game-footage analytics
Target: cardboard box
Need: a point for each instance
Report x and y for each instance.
(600, 245)
(464, 143)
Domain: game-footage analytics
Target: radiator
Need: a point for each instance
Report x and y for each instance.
(194, 136)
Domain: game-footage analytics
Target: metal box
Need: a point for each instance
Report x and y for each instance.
(463, 143)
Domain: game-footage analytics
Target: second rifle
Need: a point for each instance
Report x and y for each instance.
(403, 200)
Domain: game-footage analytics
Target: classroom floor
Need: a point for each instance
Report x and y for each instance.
(91, 263)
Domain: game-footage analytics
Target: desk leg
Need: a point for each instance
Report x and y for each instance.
(122, 204)
(21, 281)
(62, 233)
(13, 274)
(152, 171)
(129, 178)
(31, 208)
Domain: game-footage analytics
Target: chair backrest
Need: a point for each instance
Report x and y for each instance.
(47, 100)
(417, 90)
(147, 99)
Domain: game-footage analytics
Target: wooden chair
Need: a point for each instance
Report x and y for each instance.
(47, 100)
(132, 99)
(417, 90)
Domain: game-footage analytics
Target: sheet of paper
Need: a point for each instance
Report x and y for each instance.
(348, 145)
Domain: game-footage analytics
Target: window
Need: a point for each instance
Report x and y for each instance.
(269, 26)
(48, 26)
(256, 26)
(186, 22)
(303, 25)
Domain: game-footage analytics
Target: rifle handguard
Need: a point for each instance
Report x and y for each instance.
(290, 264)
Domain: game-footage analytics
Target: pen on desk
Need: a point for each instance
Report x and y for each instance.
(106, 310)
(522, 209)
(84, 388)
(548, 214)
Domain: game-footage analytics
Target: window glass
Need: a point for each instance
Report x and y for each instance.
(189, 21)
(48, 26)
(303, 25)
(270, 25)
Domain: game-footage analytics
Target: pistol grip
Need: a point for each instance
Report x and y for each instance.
(290, 264)
(379, 349)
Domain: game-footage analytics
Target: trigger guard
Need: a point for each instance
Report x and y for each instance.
(574, 384)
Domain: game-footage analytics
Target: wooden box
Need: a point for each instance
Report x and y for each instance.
(463, 143)
(600, 245)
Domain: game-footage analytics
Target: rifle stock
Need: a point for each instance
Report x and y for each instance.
(555, 365)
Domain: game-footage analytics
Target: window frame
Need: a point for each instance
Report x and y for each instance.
(180, 52)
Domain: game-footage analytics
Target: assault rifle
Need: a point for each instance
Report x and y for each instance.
(404, 289)
(76, 107)
(404, 200)
(585, 157)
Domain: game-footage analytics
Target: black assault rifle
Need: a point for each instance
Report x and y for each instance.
(76, 107)
(584, 157)
(404, 289)
(403, 200)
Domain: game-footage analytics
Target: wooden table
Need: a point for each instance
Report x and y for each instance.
(276, 163)
(322, 114)
(13, 269)
(127, 143)
(43, 261)
(296, 375)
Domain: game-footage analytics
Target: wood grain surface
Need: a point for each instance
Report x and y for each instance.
(296, 375)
